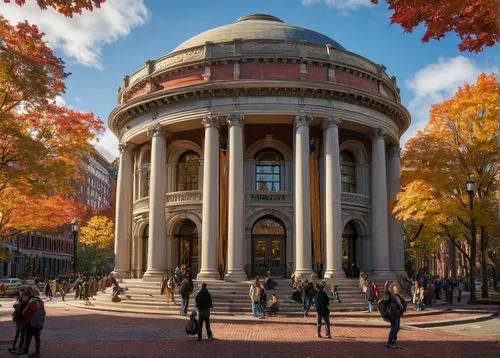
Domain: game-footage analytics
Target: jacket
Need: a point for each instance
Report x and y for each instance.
(322, 302)
(184, 289)
(34, 303)
(418, 294)
(255, 292)
(203, 300)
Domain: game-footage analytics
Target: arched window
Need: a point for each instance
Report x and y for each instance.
(268, 170)
(347, 172)
(188, 171)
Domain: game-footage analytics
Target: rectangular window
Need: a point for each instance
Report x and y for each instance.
(267, 178)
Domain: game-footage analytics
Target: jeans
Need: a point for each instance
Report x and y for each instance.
(184, 305)
(393, 333)
(306, 303)
(30, 332)
(459, 296)
(204, 317)
(370, 305)
(20, 333)
(320, 319)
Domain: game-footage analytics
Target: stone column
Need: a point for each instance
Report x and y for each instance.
(210, 216)
(396, 240)
(157, 245)
(123, 219)
(380, 232)
(302, 198)
(333, 199)
(236, 201)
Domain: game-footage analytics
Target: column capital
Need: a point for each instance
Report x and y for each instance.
(303, 120)
(125, 147)
(331, 122)
(210, 121)
(394, 152)
(377, 133)
(235, 119)
(156, 130)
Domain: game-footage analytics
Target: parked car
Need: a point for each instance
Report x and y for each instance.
(11, 286)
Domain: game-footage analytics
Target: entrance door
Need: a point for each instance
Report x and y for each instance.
(349, 250)
(188, 247)
(268, 248)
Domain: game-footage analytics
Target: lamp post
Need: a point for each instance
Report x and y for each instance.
(74, 230)
(471, 185)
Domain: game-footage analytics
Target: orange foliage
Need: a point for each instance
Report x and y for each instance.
(474, 21)
(65, 7)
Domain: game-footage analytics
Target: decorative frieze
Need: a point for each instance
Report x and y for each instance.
(178, 197)
(356, 199)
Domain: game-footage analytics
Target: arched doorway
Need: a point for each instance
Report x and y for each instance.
(145, 239)
(349, 251)
(188, 246)
(268, 247)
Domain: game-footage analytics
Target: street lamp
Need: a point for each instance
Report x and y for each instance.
(74, 230)
(471, 186)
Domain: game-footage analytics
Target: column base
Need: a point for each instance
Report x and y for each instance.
(236, 276)
(303, 274)
(381, 276)
(120, 274)
(208, 275)
(154, 275)
(335, 274)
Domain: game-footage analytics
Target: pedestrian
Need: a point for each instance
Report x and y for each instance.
(17, 317)
(393, 310)
(63, 288)
(437, 288)
(34, 319)
(335, 293)
(169, 290)
(273, 307)
(269, 283)
(418, 296)
(204, 304)
(369, 296)
(48, 290)
(460, 288)
(323, 312)
(254, 294)
(363, 277)
(307, 297)
(185, 290)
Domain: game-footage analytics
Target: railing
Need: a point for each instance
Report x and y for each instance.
(269, 196)
(181, 197)
(356, 199)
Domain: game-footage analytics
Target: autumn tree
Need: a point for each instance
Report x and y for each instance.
(65, 7)
(459, 140)
(474, 21)
(95, 252)
(41, 144)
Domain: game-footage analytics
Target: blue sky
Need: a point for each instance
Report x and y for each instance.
(99, 48)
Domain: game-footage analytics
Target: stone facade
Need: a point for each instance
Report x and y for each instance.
(258, 153)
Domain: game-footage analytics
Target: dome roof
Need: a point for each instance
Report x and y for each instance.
(258, 27)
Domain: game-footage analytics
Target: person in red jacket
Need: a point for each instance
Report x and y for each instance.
(34, 316)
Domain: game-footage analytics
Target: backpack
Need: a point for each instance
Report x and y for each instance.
(369, 293)
(38, 318)
(263, 296)
(307, 288)
(192, 326)
(384, 309)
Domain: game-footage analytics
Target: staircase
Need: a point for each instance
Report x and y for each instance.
(228, 298)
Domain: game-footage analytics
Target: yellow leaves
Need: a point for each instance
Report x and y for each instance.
(98, 232)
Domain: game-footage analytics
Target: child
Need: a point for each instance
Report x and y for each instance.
(192, 325)
(335, 294)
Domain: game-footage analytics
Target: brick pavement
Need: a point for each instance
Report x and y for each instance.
(77, 333)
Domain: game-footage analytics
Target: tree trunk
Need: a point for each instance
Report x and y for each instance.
(484, 273)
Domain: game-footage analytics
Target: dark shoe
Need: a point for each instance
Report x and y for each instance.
(318, 335)
(393, 346)
(210, 338)
(328, 336)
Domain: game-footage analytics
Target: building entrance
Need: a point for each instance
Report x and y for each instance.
(268, 247)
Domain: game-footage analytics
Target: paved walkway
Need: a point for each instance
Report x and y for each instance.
(72, 332)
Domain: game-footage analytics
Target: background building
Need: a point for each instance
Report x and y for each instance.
(51, 254)
(258, 146)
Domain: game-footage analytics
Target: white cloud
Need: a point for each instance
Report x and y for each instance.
(436, 82)
(83, 36)
(60, 101)
(107, 145)
(340, 4)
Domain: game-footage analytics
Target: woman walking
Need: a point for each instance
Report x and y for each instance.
(396, 306)
(254, 294)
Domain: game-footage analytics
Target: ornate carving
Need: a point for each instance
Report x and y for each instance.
(394, 151)
(303, 120)
(235, 119)
(377, 133)
(188, 56)
(125, 147)
(155, 130)
(356, 199)
(183, 197)
(210, 121)
(331, 122)
(138, 75)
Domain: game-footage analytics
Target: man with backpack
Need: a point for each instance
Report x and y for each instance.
(323, 312)
(186, 290)
(34, 319)
(391, 308)
(204, 304)
(307, 296)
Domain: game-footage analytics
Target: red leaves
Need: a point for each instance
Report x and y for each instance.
(65, 7)
(474, 21)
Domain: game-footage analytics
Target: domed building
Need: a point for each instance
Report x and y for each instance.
(258, 146)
